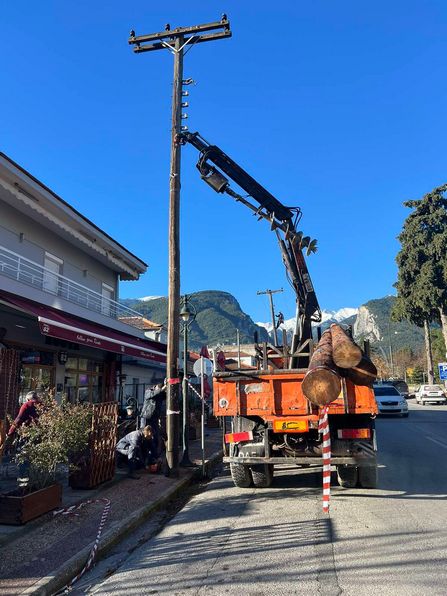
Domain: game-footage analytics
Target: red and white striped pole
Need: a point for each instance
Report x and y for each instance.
(323, 428)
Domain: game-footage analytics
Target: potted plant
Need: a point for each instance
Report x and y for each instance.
(60, 431)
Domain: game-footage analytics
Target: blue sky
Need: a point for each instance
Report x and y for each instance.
(336, 107)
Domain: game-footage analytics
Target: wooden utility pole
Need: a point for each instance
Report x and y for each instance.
(238, 339)
(272, 310)
(176, 41)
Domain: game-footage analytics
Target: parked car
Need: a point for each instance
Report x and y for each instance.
(402, 387)
(430, 394)
(390, 401)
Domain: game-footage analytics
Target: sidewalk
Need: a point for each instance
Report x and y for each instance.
(39, 557)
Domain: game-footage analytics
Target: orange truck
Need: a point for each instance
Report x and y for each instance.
(273, 423)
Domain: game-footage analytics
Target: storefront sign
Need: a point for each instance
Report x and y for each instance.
(86, 338)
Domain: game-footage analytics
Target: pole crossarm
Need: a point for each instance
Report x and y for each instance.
(165, 38)
(259, 293)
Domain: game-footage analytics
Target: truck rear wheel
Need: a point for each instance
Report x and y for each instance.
(240, 475)
(368, 476)
(262, 475)
(347, 476)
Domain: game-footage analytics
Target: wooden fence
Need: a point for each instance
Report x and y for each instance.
(97, 464)
(9, 383)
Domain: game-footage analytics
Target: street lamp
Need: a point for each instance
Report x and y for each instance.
(187, 316)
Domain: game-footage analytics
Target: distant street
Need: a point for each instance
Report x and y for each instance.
(392, 540)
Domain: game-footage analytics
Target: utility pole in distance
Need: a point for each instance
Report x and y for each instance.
(272, 310)
(176, 41)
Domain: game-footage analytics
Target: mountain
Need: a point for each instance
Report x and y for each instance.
(218, 317)
(370, 321)
(373, 323)
(327, 316)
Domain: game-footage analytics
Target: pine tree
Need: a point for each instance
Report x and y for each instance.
(422, 277)
(417, 376)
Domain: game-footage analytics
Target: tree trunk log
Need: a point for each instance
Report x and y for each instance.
(365, 373)
(345, 352)
(321, 384)
(428, 353)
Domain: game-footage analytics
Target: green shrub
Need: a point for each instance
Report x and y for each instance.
(61, 431)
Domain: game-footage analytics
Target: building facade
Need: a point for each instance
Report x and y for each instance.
(61, 323)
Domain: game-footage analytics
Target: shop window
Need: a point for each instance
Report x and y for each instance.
(37, 357)
(83, 380)
(37, 372)
(53, 268)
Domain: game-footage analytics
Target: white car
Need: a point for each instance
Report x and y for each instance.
(390, 401)
(430, 394)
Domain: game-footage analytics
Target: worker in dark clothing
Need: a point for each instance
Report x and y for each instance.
(138, 449)
(153, 413)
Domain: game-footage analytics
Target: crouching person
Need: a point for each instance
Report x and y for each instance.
(138, 449)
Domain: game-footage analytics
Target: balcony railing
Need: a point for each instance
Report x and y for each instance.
(32, 274)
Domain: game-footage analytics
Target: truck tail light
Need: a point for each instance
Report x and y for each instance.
(354, 433)
(238, 437)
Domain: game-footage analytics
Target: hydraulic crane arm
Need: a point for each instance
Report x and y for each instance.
(212, 162)
(211, 153)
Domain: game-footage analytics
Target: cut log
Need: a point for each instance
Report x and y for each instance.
(345, 352)
(321, 384)
(365, 373)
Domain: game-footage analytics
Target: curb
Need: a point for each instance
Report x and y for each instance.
(50, 584)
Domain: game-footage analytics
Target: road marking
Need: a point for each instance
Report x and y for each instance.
(436, 441)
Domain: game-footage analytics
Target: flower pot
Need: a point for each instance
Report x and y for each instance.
(16, 509)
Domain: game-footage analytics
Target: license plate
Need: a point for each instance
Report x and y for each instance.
(290, 426)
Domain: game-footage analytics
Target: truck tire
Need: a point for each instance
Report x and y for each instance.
(240, 474)
(262, 475)
(347, 476)
(368, 476)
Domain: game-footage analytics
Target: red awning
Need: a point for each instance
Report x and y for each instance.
(61, 325)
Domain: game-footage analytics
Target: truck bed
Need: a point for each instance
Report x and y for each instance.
(279, 394)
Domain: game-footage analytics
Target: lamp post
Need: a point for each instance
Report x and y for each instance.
(187, 316)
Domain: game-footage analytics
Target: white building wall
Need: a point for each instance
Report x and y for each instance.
(26, 237)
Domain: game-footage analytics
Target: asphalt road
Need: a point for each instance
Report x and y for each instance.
(388, 541)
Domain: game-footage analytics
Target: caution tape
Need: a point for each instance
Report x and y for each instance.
(323, 428)
(194, 390)
(91, 557)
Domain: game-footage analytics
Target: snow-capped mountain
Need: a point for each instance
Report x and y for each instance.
(327, 317)
(147, 298)
(336, 316)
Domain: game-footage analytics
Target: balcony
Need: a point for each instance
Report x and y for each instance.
(32, 274)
